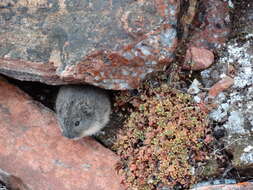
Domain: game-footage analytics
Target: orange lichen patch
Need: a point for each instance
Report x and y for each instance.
(164, 7)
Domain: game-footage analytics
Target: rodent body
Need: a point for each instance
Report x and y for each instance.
(82, 110)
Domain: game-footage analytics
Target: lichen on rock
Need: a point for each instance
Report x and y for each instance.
(111, 44)
(234, 111)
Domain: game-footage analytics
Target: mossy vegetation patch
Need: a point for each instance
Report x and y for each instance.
(162, 140)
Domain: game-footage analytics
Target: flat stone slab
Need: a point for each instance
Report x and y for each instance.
(113, 44)
(32, 148)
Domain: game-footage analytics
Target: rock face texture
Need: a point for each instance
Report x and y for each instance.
(111, 44)
(32, 148)
(212, 24)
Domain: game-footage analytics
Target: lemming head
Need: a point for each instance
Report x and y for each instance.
(82, 111)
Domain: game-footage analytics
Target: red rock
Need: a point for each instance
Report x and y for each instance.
(198, 58)
(211, 24)
(238, 186)
(220, 86)
(32, 148)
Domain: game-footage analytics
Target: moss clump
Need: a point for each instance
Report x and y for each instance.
(160, 139)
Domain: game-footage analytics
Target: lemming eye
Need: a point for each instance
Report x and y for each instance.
(77, 123)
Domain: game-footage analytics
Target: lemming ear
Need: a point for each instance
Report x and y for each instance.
(85, 108)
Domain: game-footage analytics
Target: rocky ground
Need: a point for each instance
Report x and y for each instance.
(210, 57)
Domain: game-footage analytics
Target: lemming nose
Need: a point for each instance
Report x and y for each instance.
(66, 134)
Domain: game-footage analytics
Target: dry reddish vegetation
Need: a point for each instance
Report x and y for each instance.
(161, 140)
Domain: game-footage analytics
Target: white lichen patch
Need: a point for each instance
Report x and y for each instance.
(240, 56)
(195, 87)
(247, 157)
(235, 106)
(219, 113)
(235, 124)
(248, 149)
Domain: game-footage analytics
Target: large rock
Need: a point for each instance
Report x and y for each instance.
(111, 44)
(211, 26)
(32, 148)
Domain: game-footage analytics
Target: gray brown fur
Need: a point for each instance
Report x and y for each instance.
(82, 110)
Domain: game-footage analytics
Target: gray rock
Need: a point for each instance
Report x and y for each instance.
(111, 44)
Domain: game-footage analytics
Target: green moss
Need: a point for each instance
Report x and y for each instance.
(160, 138)
(211, 168)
